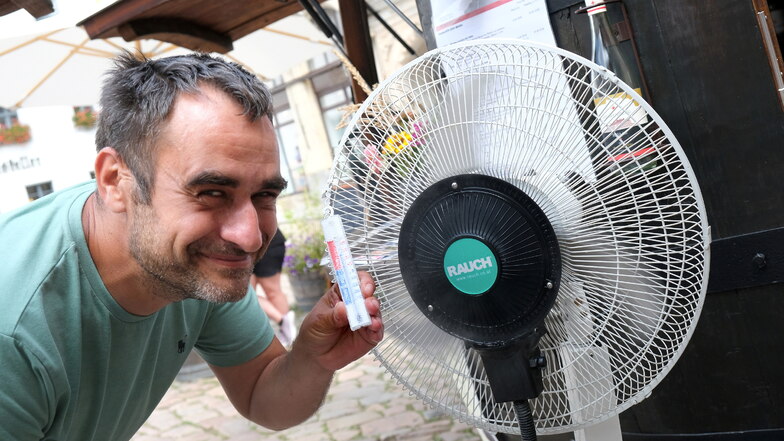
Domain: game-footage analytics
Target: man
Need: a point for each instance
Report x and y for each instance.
(107, 286)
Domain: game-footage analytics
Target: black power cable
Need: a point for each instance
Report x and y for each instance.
(525, 420)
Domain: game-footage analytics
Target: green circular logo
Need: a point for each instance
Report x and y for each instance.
(470, 266)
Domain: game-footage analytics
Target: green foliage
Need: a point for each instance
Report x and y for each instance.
(305, 245)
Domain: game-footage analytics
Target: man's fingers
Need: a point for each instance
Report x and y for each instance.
(366, 283)
(340, 315)
(375, 332)
(334, 294)
(372, 305)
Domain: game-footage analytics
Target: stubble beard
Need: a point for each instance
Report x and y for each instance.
(173, 280)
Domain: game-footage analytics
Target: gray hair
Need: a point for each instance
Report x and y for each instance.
(138, 96)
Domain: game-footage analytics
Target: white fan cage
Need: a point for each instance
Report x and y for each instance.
(625, 207)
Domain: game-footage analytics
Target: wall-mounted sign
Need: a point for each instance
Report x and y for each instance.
(455, 21)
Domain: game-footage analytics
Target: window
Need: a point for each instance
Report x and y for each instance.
(36, 191)
(333, 87)
(288, 143)
(289, 149)
(11, 132)
(331, 108)
(7, 117)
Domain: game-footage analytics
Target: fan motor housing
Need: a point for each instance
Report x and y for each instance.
(480, 259)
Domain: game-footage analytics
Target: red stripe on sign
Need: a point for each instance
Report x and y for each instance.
(333, 253)
(601, 6)
(473, 13)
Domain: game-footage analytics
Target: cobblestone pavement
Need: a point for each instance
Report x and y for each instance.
(373, 409)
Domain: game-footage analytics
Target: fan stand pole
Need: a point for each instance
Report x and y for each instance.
(608, 430)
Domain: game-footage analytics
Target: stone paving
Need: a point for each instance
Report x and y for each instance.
(363, 404)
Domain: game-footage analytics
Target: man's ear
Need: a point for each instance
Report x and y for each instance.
(113, 180)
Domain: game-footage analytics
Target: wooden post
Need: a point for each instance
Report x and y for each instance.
(359, 47)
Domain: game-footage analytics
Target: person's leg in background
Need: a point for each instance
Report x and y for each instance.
(266, 282)
(266, 306)
(277, 298)
(274, 303)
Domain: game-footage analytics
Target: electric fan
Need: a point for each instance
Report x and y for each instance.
(539, 242)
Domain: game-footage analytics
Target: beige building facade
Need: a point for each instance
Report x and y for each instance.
(311, 100)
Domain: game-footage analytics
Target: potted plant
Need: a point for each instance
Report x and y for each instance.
(14, 134)
(302, 264)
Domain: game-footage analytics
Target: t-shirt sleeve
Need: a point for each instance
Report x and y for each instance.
(234, 333)
(24, 401)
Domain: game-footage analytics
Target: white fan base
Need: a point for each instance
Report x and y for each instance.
(608, 430)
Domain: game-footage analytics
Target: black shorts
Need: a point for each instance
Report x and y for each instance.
(272, 261)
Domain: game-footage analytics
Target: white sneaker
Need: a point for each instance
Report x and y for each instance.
(288, 327)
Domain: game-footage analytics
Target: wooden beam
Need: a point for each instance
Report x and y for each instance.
(6, 7)
(359, 46)
(271, 16)
(177, 31)
(36, 8)
(100, 24)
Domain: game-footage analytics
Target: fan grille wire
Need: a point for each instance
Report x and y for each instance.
(632, 231)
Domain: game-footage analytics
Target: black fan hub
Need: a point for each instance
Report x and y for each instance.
(480, 259)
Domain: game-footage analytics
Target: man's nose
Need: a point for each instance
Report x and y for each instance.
(241, 227)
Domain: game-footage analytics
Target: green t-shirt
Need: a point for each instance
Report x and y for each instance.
(74, 365)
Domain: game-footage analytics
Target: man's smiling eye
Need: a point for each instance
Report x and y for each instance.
(266, 194)
(212, 194)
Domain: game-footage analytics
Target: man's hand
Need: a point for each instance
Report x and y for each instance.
(325, 335)
(279, 389)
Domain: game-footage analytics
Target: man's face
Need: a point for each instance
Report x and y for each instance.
(212, 213)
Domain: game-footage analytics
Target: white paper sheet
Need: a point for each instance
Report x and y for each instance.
(456, 21)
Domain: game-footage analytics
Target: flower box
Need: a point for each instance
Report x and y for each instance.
(84, 117)
(15, 134)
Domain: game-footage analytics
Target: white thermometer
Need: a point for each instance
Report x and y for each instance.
(345, 272)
